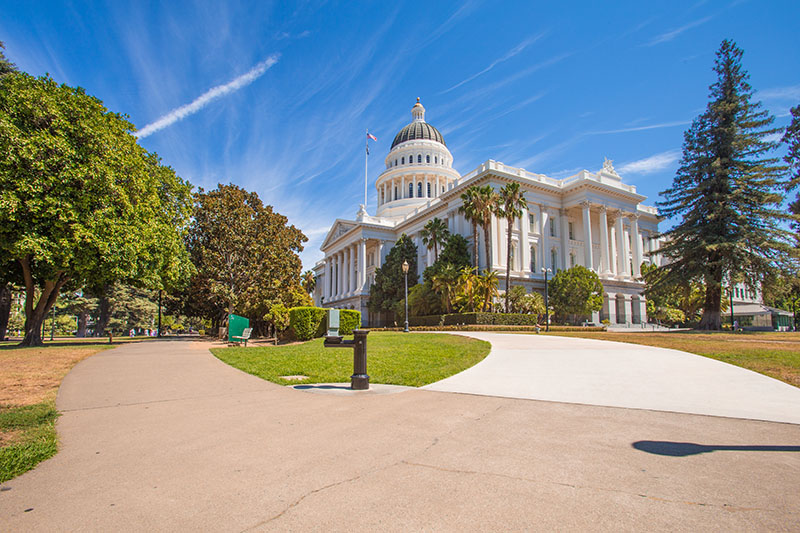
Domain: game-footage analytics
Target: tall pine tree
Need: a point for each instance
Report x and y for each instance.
(728, 193)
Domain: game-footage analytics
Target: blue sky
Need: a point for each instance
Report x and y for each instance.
(275, 96)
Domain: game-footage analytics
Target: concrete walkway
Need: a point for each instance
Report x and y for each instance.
(615, 374)
(162, 436)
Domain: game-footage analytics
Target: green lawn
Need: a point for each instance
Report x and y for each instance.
(30, 437)
(412, 359)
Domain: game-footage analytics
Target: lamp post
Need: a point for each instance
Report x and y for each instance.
(160, 292)
(405, 274)
(733, 324)
(546, 271)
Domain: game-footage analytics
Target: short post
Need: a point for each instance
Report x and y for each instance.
(359, 380)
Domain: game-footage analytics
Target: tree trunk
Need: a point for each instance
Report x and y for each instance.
(35, 312)
(711, 319)
(83, 318)
(508, 261)
(475, 246)
(487, 248)
(5, 309)
(104, 314)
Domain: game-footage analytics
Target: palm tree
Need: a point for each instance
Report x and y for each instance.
(512, 202)
(468, 208)
(480, 204)
(308, 281)
(486, 287)
(434, 233)
(445, 283)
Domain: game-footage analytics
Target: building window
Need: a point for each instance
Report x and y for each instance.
(436, 159)
(533, 258)
(419, 158)
(512, 263)
(419, 189)
(395, 162)
(554, 260)
(411, 190)
(552, 227)
(429, 190)
(428, 159)
(571, 231)
(383, 197)
(395, 193)
(532, 223)
(402, 160)
(571, 259)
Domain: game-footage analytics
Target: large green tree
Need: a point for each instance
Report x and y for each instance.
(479, 205)
(389, 286)
(246, 257)
(575, 292)
(511, 203)
(727, 193)
(80, 200)
(434, 234)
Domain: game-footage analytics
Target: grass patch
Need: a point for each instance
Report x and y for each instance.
(776, 355)
(28, 437)
(29, 381)
(392, 358)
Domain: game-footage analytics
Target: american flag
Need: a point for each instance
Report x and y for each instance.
(371, 136)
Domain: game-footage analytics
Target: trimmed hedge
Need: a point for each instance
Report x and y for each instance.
(429, 320)
(489, 319)
(488, 327)
(309, 322)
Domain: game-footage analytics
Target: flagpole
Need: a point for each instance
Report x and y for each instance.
(366, 155)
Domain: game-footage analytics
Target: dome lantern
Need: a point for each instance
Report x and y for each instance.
(418, 129)
(418, 112)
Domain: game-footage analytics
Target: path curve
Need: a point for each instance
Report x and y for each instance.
(616, 374)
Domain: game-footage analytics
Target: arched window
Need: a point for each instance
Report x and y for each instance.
(428, 159)
(395, 162)
(402, 160)
(411, 190)
(436, 159)
(419, 189)
(533, 258)
(429, 190)
(419, 158)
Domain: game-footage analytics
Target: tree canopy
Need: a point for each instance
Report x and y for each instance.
(246, 257)
(727, 192)
(575, 292)
(389, 286)
(511, 203)
(80, 201)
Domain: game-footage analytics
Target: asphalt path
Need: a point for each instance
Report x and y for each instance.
(162, 436)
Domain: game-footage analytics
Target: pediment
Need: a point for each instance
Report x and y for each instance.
(339, 228)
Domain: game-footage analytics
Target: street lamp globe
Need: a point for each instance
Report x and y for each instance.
(405, 275)
(405, 267)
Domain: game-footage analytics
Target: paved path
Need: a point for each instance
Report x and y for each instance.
(161, 436)
(615, 374)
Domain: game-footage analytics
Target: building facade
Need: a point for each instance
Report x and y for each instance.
(589, 219)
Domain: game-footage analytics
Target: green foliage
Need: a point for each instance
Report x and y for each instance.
(671, 304)
(523, 302)
(80, 201)
(490, 319)
(576, 292)
(434, 234)
(478, 206)
(309, 322)
(305, 321)
(423, 300)
(791, 138)
(308, 281)
(727, 193)
(37, 442)
(246, 256)
(6, 66)
(278, 316)
(389, 287)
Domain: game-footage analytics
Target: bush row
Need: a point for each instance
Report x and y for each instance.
(489, 327)
(310, 322)
(487, 319)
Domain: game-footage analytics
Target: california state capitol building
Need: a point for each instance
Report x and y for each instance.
(589, 219)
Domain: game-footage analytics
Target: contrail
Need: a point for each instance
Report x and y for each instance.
(212, 94)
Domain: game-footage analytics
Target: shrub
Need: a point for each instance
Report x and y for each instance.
(305, 322)
(429, 320)
(309, 322)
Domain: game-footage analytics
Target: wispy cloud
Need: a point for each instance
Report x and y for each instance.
(505, 57)
(781, 93)
(651, 164)
(641, 128)
(668, 36)
(209, 96)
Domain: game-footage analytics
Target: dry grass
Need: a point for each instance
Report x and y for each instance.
(32, 375)
(774, 354)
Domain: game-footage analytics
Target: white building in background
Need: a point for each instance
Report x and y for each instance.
(589, 219)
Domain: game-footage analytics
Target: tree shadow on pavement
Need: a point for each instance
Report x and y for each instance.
(684, 449)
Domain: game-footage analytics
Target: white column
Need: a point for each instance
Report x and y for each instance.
(603, 241)
(402, 187)
(620, 239)
(380, 254)
(564, 239)
(544, 241)
(525, 251)
(326, 282)
(336, 263)
(637, 245)
(587, 236)
(437, 193)
(626, 252)
(348, 269)
(362, 266)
